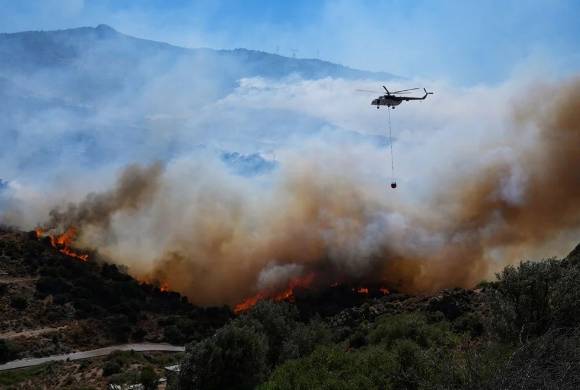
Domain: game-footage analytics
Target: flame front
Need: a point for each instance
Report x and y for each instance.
(285, 295)
(63, 241)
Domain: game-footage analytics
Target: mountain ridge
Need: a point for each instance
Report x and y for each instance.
(306, 67)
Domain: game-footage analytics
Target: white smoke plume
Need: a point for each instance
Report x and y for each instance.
(483, 180)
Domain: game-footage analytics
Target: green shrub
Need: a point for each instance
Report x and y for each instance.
(304, 338)
(412, 327)
(234, 358)
(111, 367)
(148, 378)
(528, 300)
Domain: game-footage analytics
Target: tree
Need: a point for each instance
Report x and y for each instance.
(304, 338)
(148, 378)
(275, 320)
(234, 358)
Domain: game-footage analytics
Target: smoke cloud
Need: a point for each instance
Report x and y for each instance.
(218, 237)
(262, 181)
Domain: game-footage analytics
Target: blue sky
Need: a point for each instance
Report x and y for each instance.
(465, 42)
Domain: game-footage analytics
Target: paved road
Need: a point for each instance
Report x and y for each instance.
(144, 347)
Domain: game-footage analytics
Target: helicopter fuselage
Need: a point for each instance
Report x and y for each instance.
(387, 100)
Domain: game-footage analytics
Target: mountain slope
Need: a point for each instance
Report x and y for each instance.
(83, 305)
(111, 52)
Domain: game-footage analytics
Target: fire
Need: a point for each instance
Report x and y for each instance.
(162, 285)
(63, 241)
(286, 295)
(248, 303)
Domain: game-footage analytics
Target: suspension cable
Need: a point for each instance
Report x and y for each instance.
(391, 145)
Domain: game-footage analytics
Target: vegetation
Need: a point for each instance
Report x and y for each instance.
(520, 331)
(7, 351)
(148, 378)
(14, 377)
(77, 290)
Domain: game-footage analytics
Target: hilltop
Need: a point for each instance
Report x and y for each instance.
(101, 61)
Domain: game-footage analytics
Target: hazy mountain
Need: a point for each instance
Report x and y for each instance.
(100, 60)
(95, 95)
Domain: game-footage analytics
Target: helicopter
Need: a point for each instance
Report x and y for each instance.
(390, 99)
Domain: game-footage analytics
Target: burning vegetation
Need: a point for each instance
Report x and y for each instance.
(299, 288)
(63, 242)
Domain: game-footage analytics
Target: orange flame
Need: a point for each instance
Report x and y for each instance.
(286, 295)
(63, 241)
(248, 303)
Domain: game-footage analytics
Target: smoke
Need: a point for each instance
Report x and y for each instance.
(218, 237)
(485, 176)
(135, 189)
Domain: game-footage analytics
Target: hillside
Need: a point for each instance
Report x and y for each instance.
(487, 337)
(52, 303)
(521, 331)
(31, 50)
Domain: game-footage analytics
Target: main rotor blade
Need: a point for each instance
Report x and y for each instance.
(369, 91)
(404, 90)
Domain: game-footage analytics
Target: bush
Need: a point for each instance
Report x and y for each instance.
(48, 285)
(412, 327)
(334, 368)
(119, 328)
(148, 378)
(8, 351)
(533, 297)
(139, 334)
(19, 302)
(234, 358)
(111, 367)
(173, 335)
(548, 362)
(303, 339)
